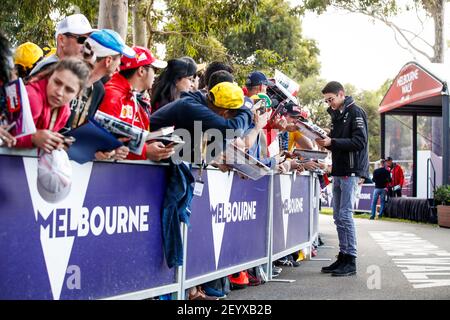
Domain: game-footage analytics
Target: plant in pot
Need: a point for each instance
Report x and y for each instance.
(442, 199)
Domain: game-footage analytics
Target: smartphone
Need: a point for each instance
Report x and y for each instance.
(174, 144)
(259, 106)
(69, 139)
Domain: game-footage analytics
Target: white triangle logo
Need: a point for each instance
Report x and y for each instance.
(219, 187)
(57, 250)
(285, 188)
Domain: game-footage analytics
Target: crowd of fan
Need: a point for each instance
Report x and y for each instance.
(94, 70)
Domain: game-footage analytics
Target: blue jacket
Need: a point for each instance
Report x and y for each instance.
(176, 209)
(193, 107)
(192, 112)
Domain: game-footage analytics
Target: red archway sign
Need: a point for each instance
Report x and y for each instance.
(413, 83)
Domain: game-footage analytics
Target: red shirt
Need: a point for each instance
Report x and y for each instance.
(397, 176)
(119, 102)
(41, 111)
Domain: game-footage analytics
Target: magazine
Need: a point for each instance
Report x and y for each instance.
(310, 154)
(122, 129)
(89, 138)
(244, 163)
(159, 133)
(310, 130)
(16, 111)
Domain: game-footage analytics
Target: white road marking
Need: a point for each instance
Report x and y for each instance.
(422, 263)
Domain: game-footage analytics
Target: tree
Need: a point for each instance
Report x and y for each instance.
(192, 27)
(24, 20)
(138, 11)
(275, 41)
(113, 14)
(384, 10)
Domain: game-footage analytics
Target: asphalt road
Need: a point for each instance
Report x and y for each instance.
(380, 275)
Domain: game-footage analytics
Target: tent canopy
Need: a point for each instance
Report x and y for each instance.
(416, 84)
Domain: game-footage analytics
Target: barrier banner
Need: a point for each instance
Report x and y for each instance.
(316, 199)
(103, 240)
(291, 215)
(229, 223)
(363, 201)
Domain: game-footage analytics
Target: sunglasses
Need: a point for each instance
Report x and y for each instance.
(80, 39)
(329, 100)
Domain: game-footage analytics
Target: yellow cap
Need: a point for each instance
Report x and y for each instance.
(27, 54)
(227, 95)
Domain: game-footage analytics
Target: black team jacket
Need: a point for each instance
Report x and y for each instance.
(349, 140)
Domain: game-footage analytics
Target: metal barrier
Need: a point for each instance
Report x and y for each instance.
(104, 240)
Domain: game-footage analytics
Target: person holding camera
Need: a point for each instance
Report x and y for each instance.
(348, 142)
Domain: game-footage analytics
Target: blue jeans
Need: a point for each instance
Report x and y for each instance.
(378, 193)
(344, 197)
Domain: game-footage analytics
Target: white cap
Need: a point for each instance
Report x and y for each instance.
(54, 179)
(76, 24)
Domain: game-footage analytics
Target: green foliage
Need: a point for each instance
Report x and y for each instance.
(192, 27)
(442, 195)
(29, 20)
(276, 41)
(382, 7)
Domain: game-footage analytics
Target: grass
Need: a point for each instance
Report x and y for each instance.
(329, 211)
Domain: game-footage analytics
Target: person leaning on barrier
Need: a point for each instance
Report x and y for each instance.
(124, 98)
(70, 35)
(220, 109)
(49, 102)
(103, 51)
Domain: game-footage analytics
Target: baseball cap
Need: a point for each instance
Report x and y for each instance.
(54, 179)
(108, 42)
(143, 57)
(256, 78)
(27, 54)
(389, 159)
(227, 95)
(294, 110)
(76, 24)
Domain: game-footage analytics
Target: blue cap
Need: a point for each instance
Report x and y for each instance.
(257, 78)
(107, 42)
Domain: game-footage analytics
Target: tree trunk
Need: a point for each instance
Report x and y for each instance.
(439, 36)
(139, 24)
(113, 14)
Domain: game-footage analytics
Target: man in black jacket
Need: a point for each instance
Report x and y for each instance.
(381, 177)
(348, 142)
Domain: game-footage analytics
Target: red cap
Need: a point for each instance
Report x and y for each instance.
(143, 58)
